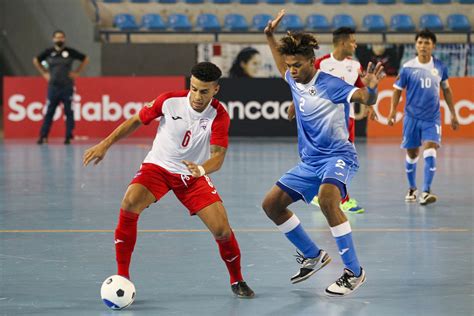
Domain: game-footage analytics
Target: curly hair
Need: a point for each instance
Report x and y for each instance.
(206, 71)
(298, 44)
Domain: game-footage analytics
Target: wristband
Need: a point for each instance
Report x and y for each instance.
(372, 91)
(201, 171)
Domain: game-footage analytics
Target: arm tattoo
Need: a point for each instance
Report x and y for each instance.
(217, 150)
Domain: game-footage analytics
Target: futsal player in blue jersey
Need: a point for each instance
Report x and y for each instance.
(421, 77)
(328, 158)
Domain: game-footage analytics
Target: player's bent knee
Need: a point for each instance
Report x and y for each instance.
(222, 233)
(132, 204)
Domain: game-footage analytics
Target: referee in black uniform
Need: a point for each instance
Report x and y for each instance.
(57, 71)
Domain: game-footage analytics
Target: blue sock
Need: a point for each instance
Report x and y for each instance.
(410, 168)
(343, 235)
(430, 168)
(295, 232)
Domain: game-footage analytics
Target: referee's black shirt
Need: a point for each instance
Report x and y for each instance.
(60, 64)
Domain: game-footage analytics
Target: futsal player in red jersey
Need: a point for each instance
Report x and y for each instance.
(191, 143)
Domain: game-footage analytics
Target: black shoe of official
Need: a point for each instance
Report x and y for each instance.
(67, 141)
(242, 290)
(42, 140)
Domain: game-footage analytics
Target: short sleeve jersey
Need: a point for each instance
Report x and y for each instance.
(183, 133)
(60, 64)
(422, 82)
(322, 114)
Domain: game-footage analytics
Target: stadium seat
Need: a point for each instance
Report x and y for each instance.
(459, 23)
(466, 1)
(113, 1)
(432, 22)
(140, 1)
(331, 1)
(153, 22)
(179, 22)
(248, 1)
(412, 1)
(317, 22)
(385, 1)
(340, 20)
(275, 1)
(194, 1)
(125, 21)
(260, 21)
(166, 1)
(374, 23)
(302, 1)
(291, 22)
(402, 23)
(358, 1)
(222, 1)
(236, 23)
(440, 1)
(208, 22)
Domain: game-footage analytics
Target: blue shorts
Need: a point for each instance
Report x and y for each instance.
(415, 132)
(303, 181)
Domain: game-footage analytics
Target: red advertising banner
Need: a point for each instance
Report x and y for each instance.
(100, 104)
(463, 95)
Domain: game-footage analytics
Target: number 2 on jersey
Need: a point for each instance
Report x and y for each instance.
(186, 139)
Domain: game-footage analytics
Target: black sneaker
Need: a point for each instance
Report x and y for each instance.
(309, 266)
(42, 140)
(242, 290)
(67, 141)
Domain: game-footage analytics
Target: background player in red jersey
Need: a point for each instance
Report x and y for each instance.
(340, 64)
(191, 142)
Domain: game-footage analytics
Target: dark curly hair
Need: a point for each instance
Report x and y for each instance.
(298, 44)
(206, 71)
(425, 33)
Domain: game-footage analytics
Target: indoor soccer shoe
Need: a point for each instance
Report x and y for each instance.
(346, 284)
(310, 266)
(242, 290)
(427, 198)
(411, 195)
(351, 206)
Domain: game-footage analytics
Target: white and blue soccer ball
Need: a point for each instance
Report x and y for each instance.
(117, 292)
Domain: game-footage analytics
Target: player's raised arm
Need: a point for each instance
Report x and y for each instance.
(97, 152)
(371, 80)
(269, 29)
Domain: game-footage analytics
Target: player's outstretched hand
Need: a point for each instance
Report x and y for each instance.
(273, 24)
(373, 75)
(372, 114)
(96, 154)
(454, 123)
(193, 168)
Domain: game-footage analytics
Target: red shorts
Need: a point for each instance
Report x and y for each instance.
(351, 129)
(194, 193)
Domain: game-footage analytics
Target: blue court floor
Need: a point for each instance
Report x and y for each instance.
(57, 220)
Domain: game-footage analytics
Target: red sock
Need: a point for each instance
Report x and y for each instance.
(230, 253)
(125, 238)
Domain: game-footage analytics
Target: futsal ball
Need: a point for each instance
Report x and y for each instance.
(117, 292)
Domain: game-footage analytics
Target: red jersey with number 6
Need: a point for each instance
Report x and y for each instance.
(183, 133)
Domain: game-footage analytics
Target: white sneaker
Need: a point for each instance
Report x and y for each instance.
(427, 198)
(346, 284)
(411, 195)
(310, 266)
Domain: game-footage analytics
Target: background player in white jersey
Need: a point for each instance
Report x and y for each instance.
(421, 77)
(328, 158)
(190, 143)
(340, 64)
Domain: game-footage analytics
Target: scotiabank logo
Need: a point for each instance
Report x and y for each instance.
(91, 111)
(254, 110)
